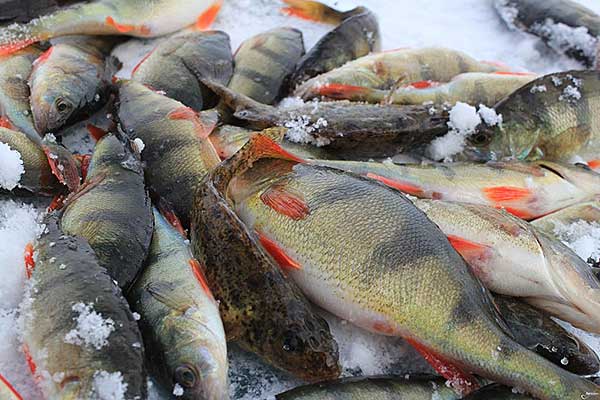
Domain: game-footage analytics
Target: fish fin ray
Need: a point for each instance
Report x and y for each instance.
(285, 262)
(284, 202)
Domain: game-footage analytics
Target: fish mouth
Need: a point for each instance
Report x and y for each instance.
(40, 121)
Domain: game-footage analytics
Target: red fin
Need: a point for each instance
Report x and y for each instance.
(65, 170)
(424, 84)
(460, 381)
(172, 218)
(470, 251)
(517, 212)
(594, 164)
(10, 48)
(84, 162)
(5, 123)
(10, 387)
(127, 28)
(137, 66)
(285, 262)
(206, 19)
(401, 186)
(341, 91)
(29, 261)
(199, 274)
(43, 57)
(57, 202)
(29, 359)
(285, 202)
(514, 73)
(502, 194)
(95, 132)
(185, 113)
(266, 147)
(384, 328)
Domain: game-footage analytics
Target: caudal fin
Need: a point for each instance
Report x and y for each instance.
(313, 11)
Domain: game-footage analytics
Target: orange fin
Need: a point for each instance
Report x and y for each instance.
(199, 274)
(502, 194)
(342, 91)
(127, 28)
(470, 251)
(10, 48)
(202, 129)
(30, 363)
(57, 202)
(401, 186)
(461, 381)
(63, 168)
(264, 146)
(137, 66)
(95, 132)
(5, 123)
(384, 328)
(521, 213)
(312, 11)
(29, 261)
(10, 388)
(285, 262)
(594, 164)
(43, 57)
(84, 162)
(169, 214)
(424, 84)
(206, 19)
(285, 203)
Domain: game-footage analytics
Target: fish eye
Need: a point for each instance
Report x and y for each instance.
(480, 138)
(61, 105)
(292, 343)
(185, 375)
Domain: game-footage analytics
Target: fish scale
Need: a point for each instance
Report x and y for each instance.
(390, 270)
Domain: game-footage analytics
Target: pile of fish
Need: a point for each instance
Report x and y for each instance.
(209, 211)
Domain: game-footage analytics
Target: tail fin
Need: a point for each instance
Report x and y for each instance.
(314, 11)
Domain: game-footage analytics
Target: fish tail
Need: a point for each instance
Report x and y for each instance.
(340, 91)
(206, 19)
(313, 11)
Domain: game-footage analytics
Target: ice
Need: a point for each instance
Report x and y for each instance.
(139, 145)
(562, 37)
(464, 119)
(109, 386)
(570, 93)
(11, 167)
(91, 329)
(582, 237)
(177, 390)
(302, 129)
(489, 115)
(538, 89)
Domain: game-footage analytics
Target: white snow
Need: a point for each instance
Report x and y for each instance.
(91, 328)
(538, 89)
(11, 167)
(581, 236)
(489, 115)
(139, 145)
(464, 119)
(301, 129)
(562, 37)
(177, 390)
(570, 93)
(108, 386)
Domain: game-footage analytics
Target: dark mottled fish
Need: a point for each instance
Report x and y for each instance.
(112, 210)
(499, 392)
(264, 63)
(566, 26)
(177, 153)
(364, 252)
(175, 66)
(79, 334)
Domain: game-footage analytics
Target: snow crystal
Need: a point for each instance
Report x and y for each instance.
(582, 237)
(177, 390)
(92, 329)
(570, 93)
(108, 386)
(139, 145)
(136, 316)
(538, 89)
(464, 119)
(11, 167)
(489, 115)
(301, 128)
(291, 102)
(507, 12)
(557, 81)
(563, 37)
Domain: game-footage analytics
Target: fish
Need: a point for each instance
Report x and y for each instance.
(553, 118)
(174, 66)
(566, 26)
(364, 252)
(112, 210)
(498, 392)
(261, 310)
(470, 87)
(49, 169)
(180, 321)
(14, 91)
(356, 35)
(513, 258)
(265, 62)
(535, 330)
(588, 212)
(374, 388)
(177, 153)
(79, 333)
(69, 80)
(137, 18)
(7, 391)
(386, 69)
(526, 190)
(350, 130)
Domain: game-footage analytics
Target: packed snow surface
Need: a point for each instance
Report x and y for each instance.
(472, 26)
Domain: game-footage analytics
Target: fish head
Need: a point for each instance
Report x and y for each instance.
(51, 108)
(580, 175)
(202, 376)
(514, 139)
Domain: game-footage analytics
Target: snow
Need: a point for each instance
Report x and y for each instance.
(139, 145)
(464, 119)
(538, 89)
(301, 130)
(489, 115)
(109, 386)
(562, 37)
(91, 330)
(177, 390)
(582, 237)
(11, 167)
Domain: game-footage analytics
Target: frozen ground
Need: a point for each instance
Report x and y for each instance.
(468, 25)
